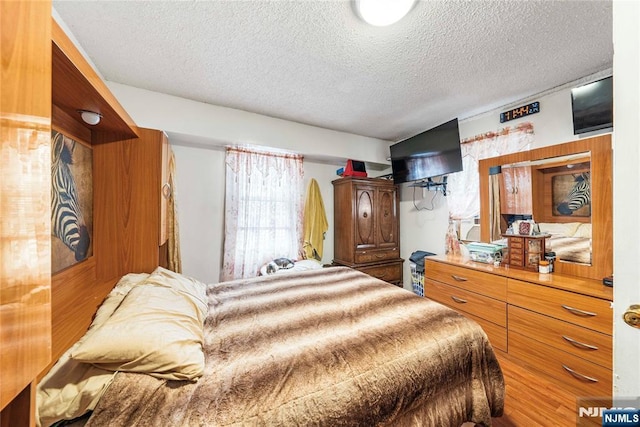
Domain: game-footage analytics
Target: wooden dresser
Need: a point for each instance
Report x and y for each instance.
(367, 227)
(559, 327)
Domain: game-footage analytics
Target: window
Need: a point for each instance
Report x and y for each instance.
(463, 190)
(263, 210)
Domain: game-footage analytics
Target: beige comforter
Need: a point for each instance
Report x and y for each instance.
(329, 347)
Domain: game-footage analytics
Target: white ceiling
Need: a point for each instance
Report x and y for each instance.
(315, 62)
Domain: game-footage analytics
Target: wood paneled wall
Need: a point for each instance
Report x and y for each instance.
(127, 190)
(25, 198)
(45, 80)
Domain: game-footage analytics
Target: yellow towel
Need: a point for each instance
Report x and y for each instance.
(315, 222)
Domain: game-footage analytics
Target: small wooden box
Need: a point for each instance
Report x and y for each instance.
(525, 251)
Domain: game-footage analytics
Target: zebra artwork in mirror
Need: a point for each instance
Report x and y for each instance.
(71, 201)
(577, 201)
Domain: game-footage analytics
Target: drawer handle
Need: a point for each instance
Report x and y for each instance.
(578, 312)
(379, 255)
(459, 300)
(579, 376)
(459, 278)
(382, 276)
(579, 344)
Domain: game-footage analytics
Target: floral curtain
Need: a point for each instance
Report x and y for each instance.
(463, 194)
(263, 210)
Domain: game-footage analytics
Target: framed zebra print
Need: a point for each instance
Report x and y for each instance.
(71, 201)
(571, 194)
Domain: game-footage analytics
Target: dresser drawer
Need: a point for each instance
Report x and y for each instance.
(484, 307)
(581, 310)
(587, 379)
(516, 242)
(475, 281)
(391, 273)
(363, 257)
(516, 258)
(497, 334)
(585, 343)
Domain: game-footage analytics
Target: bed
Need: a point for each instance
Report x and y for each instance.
(330, 346)
(570, 241)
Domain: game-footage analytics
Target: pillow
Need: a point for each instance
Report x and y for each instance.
(188, 286)
(584, 230)
(70, 388)
(559, 228)
(307, 264)
(157, 330)
(115, 297)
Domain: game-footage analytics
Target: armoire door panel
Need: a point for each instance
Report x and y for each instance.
(387, 219)
(365, 226)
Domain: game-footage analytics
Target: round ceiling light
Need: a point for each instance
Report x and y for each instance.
(90, 117)
(383, 12)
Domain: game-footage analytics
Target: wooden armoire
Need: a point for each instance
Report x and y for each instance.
(367, 227)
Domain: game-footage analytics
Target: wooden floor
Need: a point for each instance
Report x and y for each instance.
(533, 401)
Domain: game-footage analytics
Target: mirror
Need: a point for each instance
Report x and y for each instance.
(555, 193)
(549, 185)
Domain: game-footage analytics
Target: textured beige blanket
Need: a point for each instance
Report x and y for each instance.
(329, 347)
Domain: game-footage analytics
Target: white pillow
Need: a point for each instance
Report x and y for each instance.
(567, 229)
(157, 330)
(307, 264)
(584, 230)
(71, 388)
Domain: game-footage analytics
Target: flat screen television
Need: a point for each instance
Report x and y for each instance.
(592, 106)
(431, 153)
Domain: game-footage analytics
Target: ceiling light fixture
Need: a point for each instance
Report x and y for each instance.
(90, 117)
(383, 12)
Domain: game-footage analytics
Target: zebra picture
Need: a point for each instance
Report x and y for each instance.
(572, 194)
(71, 202)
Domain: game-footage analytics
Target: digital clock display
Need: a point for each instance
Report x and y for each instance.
(518, 112)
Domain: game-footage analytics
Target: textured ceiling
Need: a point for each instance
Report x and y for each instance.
(315, 62)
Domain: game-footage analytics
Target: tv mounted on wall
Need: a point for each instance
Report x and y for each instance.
(431, 153)
(592, 106)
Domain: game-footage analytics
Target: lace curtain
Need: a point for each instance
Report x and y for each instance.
(463, 194)
(263, 210)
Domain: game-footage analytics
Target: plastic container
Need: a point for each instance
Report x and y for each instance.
(543, 267)
(417, 279)
(551, 258)
(416, 265)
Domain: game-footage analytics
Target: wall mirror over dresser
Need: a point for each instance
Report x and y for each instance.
(567, 190)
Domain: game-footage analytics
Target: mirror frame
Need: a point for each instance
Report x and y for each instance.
(601, 199)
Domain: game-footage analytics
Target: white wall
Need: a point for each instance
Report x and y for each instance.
(192, 122)
(199, 194)
(626, 195)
